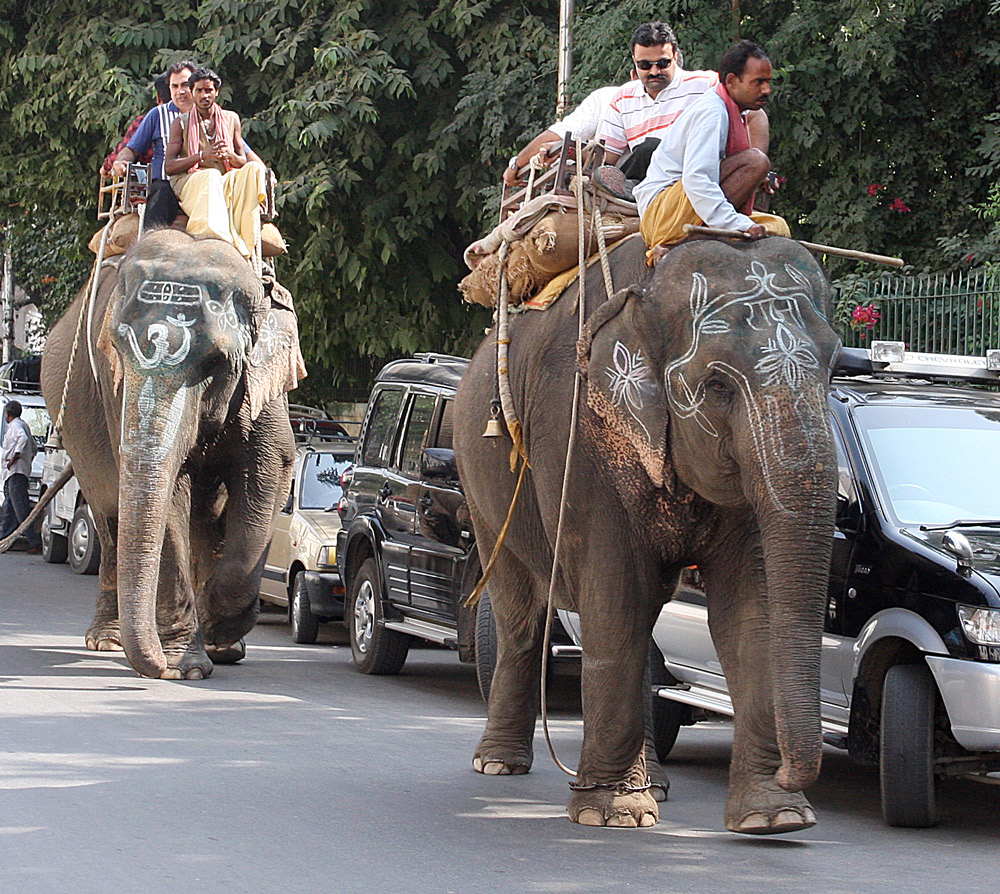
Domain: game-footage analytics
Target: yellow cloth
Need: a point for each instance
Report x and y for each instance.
(663, 222)
(226, 206)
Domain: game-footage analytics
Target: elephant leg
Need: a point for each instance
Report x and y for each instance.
(104, 633)
(506, 746)
(612, 787)
(229, 603)
(176, 617)
(740, 625)
(660, 785)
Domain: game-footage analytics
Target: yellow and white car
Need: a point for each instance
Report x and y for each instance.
(300, 571)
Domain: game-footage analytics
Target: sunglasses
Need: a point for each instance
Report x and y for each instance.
(646, 65)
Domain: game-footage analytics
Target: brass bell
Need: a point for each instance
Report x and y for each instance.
(493, 428)
(54, 440)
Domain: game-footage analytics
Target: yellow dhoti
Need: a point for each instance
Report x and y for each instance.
(225, 206)
(663, 222)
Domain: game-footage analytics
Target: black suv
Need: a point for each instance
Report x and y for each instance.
(406, 548)
(910, 676)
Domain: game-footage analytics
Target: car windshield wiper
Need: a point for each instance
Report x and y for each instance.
(964, 523)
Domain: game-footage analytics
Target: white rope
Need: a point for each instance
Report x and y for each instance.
(581, 310)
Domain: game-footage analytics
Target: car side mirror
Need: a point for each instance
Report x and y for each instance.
(438, 464)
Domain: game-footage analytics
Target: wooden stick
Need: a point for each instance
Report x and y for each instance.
(812, 246)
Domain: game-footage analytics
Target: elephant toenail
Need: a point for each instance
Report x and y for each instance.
(754, 822)
(622, 821)
(196, 673)
(648, 819)
(590, 817)
(172, 673)
(496, 768)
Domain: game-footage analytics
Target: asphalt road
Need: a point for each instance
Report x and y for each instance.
(293, 773)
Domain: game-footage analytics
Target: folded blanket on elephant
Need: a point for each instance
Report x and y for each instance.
(125, 230)
(543, 239)
(558, 284)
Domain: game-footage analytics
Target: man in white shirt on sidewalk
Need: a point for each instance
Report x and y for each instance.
(17, 452)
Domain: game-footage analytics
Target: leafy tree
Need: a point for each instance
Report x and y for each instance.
(388, 123)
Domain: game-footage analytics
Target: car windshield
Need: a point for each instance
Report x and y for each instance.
(930, 463)
(321, 480)
(38, 421)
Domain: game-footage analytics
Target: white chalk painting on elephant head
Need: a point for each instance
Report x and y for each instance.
(178, 300)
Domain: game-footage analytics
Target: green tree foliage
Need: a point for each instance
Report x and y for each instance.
(388, 123)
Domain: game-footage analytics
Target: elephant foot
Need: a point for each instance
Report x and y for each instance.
(500, 767)
(192, 663)
(610, 807)
(502, 760)
(231, 654)
(104, 639)
(769, 810)
(659, 785)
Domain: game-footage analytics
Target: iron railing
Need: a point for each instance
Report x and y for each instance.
(947, 313)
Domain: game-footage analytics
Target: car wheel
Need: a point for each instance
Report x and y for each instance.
(84, 547)
(486, 644)
(305, 625)
(906, 753)
(375, 649)
(666, 717)
(55, 549)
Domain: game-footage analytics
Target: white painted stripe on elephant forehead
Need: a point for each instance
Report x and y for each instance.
(168, 292)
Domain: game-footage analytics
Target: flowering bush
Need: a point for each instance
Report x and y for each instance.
(874, 188)
(864, 316)
(899, 205)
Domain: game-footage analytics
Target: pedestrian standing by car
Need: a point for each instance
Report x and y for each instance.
(17, 453)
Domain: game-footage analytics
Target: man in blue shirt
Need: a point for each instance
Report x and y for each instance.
(161, 203)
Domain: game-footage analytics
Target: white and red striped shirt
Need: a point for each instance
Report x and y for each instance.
(634, 115)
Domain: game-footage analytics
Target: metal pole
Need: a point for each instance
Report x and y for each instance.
(565, 56)
(7, 299)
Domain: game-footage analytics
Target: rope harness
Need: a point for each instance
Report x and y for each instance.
(581, 186)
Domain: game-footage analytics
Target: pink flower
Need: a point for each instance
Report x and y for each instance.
(864, 317)
(898, 205)
(874, 188)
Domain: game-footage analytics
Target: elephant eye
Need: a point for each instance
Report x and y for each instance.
(717, 386)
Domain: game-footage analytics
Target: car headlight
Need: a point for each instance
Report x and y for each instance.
(981, 625)
(327, 556)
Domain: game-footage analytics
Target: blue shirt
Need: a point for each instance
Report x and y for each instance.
(155, 131)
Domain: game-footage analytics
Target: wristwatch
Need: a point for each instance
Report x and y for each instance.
(512, 164)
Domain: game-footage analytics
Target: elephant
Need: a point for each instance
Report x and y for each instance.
(176, 422)
(702, 438)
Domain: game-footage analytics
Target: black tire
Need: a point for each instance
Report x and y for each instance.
(906, 752)
(486, 645)
(55, 549)
(375, 649)
(305, 625)
(84, 547)
(666, 716)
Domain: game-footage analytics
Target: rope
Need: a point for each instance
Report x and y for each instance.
(95, 280)
(95, 275)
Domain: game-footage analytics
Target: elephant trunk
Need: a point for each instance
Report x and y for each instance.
(150, 459)
(796, 511)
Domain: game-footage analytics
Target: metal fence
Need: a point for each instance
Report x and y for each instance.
(948, 313)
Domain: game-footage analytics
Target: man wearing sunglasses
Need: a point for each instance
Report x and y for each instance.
(645, 107)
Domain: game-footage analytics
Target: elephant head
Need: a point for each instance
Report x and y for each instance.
(196, 349)
(717, 373)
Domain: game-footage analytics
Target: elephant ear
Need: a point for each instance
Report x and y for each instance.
(105, 343)
(274, 361)
(622, 385)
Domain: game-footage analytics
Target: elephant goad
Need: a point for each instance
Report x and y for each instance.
(177, 424)
(703, 439)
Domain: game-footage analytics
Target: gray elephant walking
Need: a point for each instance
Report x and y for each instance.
(703, 438)
(177, 425)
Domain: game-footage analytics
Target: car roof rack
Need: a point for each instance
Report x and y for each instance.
(890, 358)
(431, 357)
